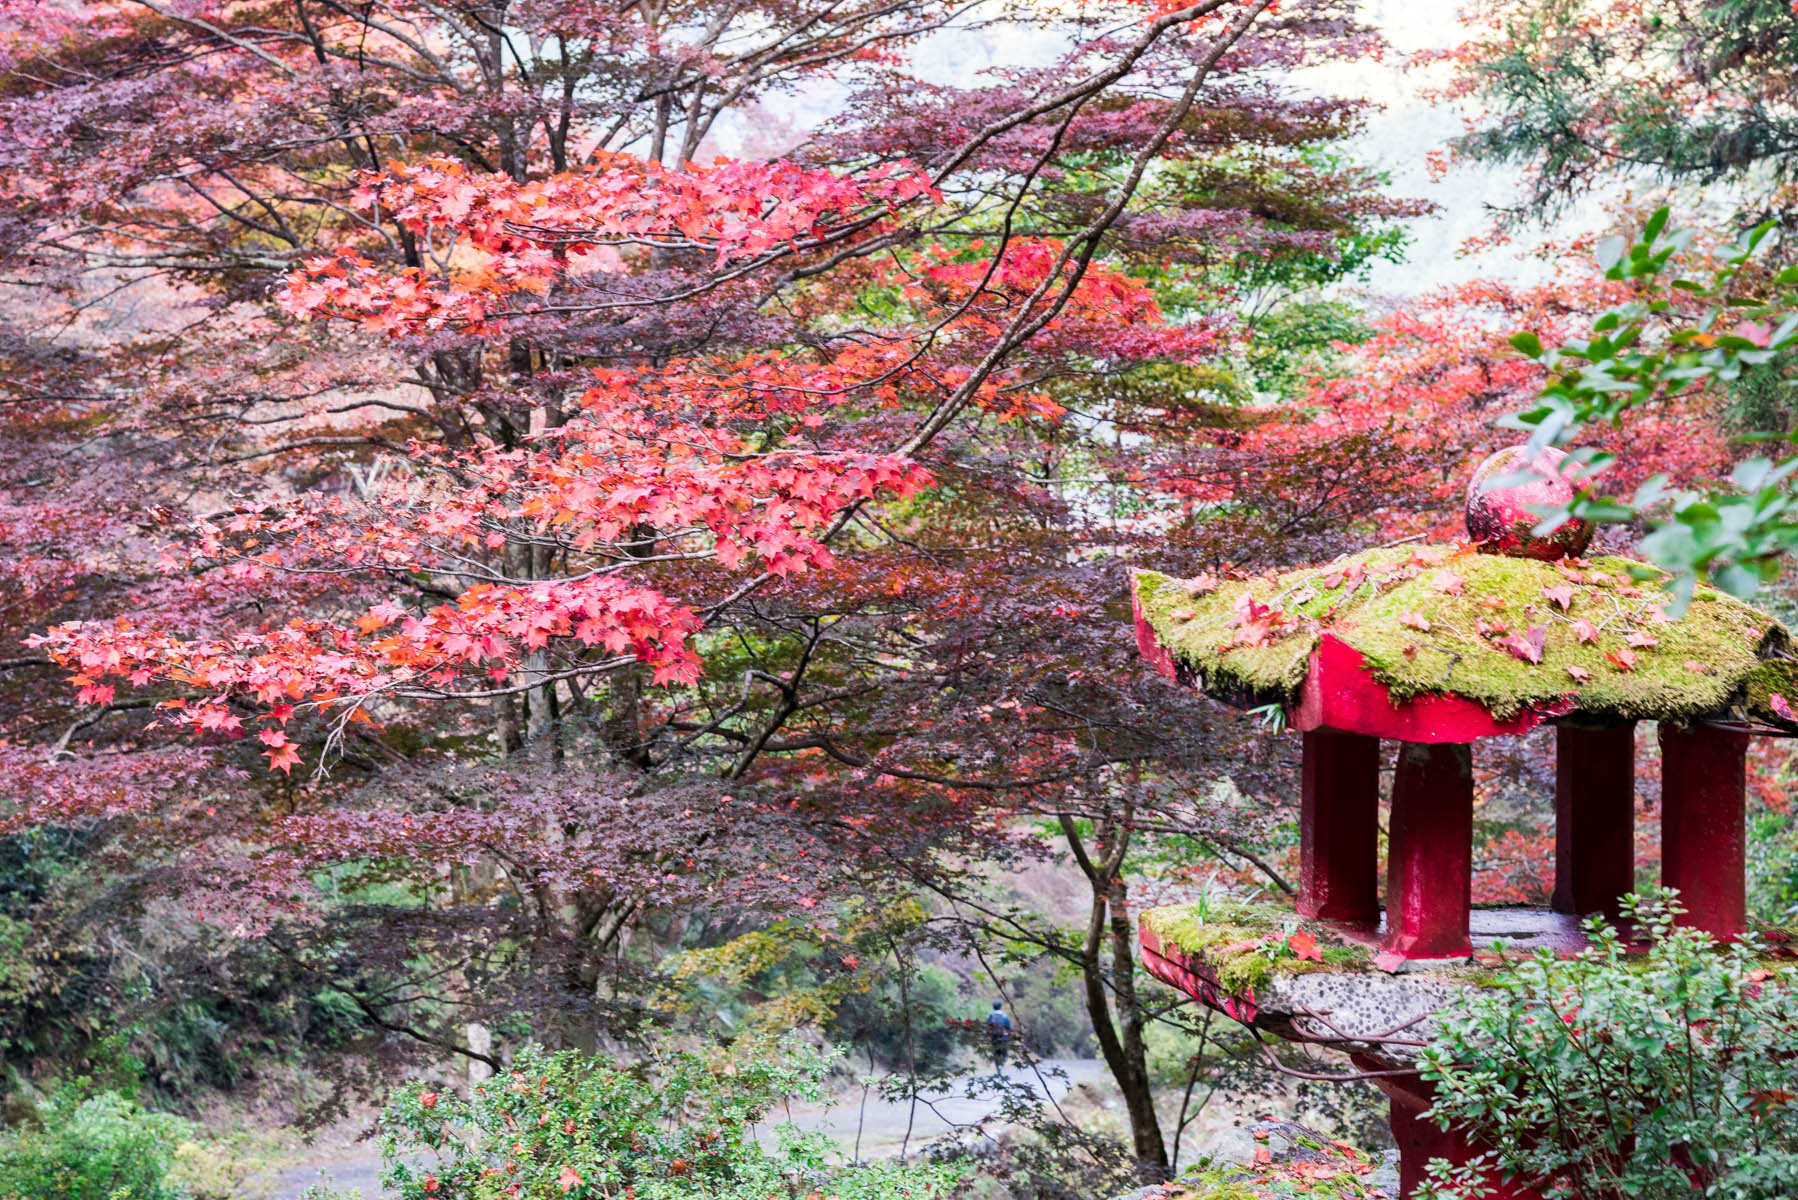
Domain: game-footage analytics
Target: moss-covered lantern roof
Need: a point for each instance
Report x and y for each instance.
(1521, 637)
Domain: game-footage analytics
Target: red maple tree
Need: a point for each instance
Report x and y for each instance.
(608, 533)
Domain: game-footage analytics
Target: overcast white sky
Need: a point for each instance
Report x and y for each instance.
(1402, 134)
(1399, 135)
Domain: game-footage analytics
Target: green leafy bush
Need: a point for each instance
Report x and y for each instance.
(1668, 1073)
(102, 1146)
(569, 1126)
(876, 1021)
(1653, 347)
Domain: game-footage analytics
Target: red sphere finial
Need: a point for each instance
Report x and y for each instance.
(1499, 518)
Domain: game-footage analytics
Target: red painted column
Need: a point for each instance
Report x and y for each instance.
(1429, 862)
(1339, 828)
(1704, 825)
(1595, 818)
(1420, 1139)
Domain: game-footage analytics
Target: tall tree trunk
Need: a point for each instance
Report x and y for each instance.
(1110, 988)
(1133, 1079)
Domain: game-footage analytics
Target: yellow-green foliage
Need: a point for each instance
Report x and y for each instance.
(1242, 945)
(1416, 614)
(757, 957)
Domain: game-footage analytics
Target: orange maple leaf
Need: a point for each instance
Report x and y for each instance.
(1304, 946)
(283, 759)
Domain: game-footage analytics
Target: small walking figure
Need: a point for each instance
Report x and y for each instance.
(998, 1027)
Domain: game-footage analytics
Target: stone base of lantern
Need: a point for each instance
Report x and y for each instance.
(1380, 1018)
(1346, 1000)
(1242, 962)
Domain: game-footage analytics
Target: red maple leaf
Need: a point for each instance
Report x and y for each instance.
(1526, 646)
(1255, 622)
(283, 759)
(1304, 946)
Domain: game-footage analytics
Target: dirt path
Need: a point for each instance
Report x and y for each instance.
(352, 1167)
(882, 1126)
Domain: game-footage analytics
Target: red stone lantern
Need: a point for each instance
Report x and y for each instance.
(1436, 648)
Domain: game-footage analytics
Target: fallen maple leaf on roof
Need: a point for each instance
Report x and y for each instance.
(1304, 946)
(1526, 646)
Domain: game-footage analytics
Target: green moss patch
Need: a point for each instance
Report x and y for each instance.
(1771, 692)
(1509, 633)
(1245, 945)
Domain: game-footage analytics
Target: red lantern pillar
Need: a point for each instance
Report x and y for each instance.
(1421, 1139)
(1704, 833)
(1595, 818)
(1429, 862)
(1339, 828)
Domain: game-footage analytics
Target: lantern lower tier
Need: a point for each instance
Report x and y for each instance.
(1316, 981)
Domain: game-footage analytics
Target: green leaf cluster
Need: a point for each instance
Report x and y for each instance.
(1647, 351)
(1621, 1073)
(92, 1146)
(679, 1125)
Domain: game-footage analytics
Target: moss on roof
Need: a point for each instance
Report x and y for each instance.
(1245, 945)
(1771, 692)
(1447, 619)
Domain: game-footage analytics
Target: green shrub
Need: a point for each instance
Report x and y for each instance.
(101, 1147)
(876, 1021)
(1664, 1074)
(569, 1126)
